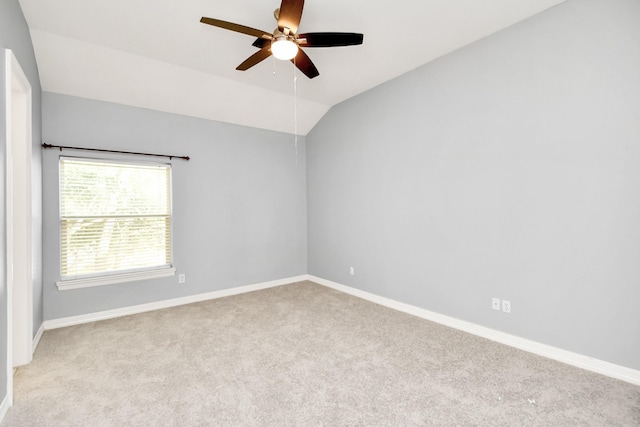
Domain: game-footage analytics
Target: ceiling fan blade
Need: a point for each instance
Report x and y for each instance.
(260, 43)
(257, 57)
(304, 64)
(329, 39)
(290, 15)
(236, 27)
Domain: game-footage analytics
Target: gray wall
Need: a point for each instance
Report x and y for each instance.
(239, 204)
(507, 169)
(14, 35)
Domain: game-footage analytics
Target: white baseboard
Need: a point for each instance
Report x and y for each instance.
(36, 339)
(585, 362)
(4, 407)
(136, 309)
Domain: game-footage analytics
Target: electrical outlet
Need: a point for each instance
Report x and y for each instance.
(506, 306)
(182, 278)
(352, 271)
(495, 303)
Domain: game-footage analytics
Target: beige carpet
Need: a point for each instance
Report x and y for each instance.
(301, 354)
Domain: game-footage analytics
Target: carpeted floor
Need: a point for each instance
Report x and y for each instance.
(301, 354)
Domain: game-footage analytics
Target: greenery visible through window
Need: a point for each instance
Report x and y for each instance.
(114, 217)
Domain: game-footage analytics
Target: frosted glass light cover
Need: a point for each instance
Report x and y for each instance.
(284, 49)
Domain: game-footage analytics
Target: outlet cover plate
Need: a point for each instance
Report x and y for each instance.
(506, 306)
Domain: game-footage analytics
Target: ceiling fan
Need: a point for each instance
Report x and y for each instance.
(285, 42)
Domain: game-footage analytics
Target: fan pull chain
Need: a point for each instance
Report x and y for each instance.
(295, 113)
(295, 108)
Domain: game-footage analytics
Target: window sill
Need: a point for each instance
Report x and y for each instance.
(89, 282)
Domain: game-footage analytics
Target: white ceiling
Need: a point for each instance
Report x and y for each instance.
(156, 54)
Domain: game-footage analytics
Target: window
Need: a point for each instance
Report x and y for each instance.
(115, 222)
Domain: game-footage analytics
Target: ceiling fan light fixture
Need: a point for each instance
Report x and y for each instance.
(284, 48)
(284, 42)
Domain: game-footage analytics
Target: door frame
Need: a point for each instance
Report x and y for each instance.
(18, 210)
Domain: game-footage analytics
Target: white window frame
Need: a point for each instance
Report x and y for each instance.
(101, 279)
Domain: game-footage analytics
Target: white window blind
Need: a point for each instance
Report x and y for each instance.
(114, 217)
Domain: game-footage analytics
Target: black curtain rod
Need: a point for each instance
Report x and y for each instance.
(62, 147)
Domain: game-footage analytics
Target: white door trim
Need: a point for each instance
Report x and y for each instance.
(18, 194)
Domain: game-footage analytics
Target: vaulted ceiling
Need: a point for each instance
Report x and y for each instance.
(156, 54)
